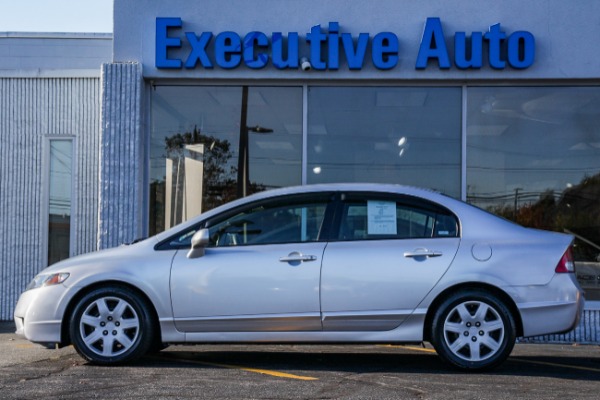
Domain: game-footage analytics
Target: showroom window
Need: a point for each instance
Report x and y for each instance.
(402, 135)
(213, 144)
(218, 143)
(532, 153)
(60, 183)
(533, 156)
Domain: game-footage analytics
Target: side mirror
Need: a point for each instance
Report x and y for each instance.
(199, 242)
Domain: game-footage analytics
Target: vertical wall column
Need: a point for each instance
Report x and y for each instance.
(121, 203)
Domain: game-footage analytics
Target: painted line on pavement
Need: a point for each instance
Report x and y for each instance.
(550, 364)
(423, 349)
(247, 369)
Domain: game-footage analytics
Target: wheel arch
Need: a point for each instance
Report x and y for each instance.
(65, 335)
(441, 297)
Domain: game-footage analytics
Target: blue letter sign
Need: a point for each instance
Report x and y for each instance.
(163, 42)
(328, 48)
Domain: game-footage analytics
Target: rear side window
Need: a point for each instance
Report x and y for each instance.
(389, 218)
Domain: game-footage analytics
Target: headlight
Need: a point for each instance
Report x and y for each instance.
(47, 280)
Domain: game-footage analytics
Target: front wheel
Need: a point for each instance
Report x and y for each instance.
(473, 330)
(111, 326)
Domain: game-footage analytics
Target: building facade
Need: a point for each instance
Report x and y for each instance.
(50, 98)
(495, 103)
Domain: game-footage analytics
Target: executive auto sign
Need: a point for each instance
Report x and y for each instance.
(227, 50)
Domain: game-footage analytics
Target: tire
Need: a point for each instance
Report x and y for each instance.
(111, 326)
(473, 330)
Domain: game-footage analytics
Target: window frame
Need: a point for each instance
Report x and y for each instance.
(298, 198)
(404, 199)
(45, 220)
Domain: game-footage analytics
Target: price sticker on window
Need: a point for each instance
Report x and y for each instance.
(381, 218)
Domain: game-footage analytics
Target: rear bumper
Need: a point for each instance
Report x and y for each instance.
(553, 308)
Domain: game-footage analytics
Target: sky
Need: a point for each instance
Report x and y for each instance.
(56, 15)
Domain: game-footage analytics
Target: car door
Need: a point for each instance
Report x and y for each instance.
(261, 271)
(388, 253)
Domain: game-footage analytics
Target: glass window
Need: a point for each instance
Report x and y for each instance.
(270, 224)
(408, 136)
(210, 145)
(389, 219)
(533, 156)
(60, 179)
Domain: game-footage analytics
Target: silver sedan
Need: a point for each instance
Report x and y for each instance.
(315, 264)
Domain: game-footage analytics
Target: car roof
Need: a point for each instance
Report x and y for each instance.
(427, 194)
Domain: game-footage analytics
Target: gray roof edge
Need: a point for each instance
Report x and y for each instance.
(50, 73)
(58, 35)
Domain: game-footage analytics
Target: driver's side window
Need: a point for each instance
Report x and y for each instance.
(270, 224)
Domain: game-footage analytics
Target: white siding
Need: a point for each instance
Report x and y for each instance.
(30, 110)
(121, 214)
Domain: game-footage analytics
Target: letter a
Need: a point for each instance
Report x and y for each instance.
(433, 45)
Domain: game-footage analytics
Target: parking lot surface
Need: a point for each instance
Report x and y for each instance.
(533, 371)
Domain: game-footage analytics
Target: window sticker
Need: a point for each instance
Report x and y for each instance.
(382, 218)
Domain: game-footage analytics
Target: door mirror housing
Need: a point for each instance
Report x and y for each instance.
(199, 243)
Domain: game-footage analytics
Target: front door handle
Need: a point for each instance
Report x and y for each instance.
(297, 257)
(422, 253)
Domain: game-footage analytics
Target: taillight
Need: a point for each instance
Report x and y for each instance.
(566, 263)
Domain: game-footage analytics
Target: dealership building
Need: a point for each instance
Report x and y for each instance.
(189, 104)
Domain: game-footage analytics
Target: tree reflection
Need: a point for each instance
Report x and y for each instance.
(575, 210)
(218, 178)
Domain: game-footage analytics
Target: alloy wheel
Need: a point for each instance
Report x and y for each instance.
(109, 326)
(474, 331)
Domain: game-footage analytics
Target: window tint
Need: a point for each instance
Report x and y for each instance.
(389, 219)
(269, 224)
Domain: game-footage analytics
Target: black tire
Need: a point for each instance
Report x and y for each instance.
(473, 330)
(111, 326)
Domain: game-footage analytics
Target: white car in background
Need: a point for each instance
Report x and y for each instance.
(359, 263)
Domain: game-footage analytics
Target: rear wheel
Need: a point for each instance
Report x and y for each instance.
(111, 326)
(473, 330)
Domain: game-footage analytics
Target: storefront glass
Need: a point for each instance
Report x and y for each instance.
(533, 153)
(197, 133)
(533, 156)
(407, 135)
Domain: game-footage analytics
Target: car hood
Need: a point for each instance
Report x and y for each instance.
(120, 253)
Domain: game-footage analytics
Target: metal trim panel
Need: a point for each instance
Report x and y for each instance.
(255, 323)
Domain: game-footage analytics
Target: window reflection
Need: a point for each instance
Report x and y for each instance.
(408, 136)
(59, 198)
(269, 225)
(533, 156)
(195, 155)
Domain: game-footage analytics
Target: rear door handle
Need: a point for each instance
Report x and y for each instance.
(422, 253)
(297, 257)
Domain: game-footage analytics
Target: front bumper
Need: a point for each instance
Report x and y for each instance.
(37, 317)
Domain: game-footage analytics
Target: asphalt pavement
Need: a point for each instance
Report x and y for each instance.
(534, 371)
